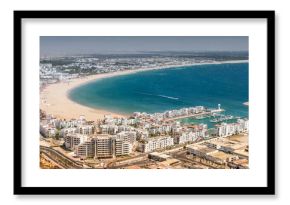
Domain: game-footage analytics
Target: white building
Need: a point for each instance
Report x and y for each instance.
(104, 146)
(66, 124)
(192, 134)
(156, 143)
(85, 129)
(72, 140)
(68, 131)
(142, 134)
(122, 147)
(104, 129)
(127, 136)
(47, 130)
(225, 129)
(243, 125)
(186, 137)
(85, 149)
(199, 109)
(176, 128)
(124, 128)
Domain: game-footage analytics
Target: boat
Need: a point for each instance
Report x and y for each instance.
(222, 118)
(200, 117)
(229, 117)
(214, 120)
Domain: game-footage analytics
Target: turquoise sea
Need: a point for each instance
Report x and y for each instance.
(172, 88)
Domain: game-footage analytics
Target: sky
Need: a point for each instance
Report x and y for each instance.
(73, 45)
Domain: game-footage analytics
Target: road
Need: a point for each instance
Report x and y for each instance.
(60, 159)
(46, 157)
(133, 160)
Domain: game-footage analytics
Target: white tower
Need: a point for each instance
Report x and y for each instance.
(219, 106)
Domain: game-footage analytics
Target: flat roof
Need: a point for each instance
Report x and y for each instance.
(208, 150)
(195, 146)
(239, 138)
(237, 146)
(170, 162)
(221, 155)
(229, 143)
(242, 152)
(201, 148)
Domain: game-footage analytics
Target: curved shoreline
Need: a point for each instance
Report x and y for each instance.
(54, 98)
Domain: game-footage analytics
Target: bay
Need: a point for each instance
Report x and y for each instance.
(173, 88)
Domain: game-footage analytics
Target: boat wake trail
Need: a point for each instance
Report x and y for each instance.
(162, 96)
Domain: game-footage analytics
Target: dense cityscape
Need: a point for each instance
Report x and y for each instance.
(54, 69)
(140, 140)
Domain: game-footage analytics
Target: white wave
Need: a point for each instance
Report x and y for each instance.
(164, 96)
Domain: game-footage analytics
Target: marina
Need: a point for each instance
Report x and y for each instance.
(201, 115)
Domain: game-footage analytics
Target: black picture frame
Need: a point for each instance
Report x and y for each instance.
(268, 190)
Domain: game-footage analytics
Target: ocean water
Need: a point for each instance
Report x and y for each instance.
(173, 88)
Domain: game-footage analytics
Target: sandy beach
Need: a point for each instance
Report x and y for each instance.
(54, 97)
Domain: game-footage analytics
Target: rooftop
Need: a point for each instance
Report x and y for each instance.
(201, 148)
(170, 162)
(221, 155)
(229, 143)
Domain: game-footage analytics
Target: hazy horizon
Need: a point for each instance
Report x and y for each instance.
(76, 45)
